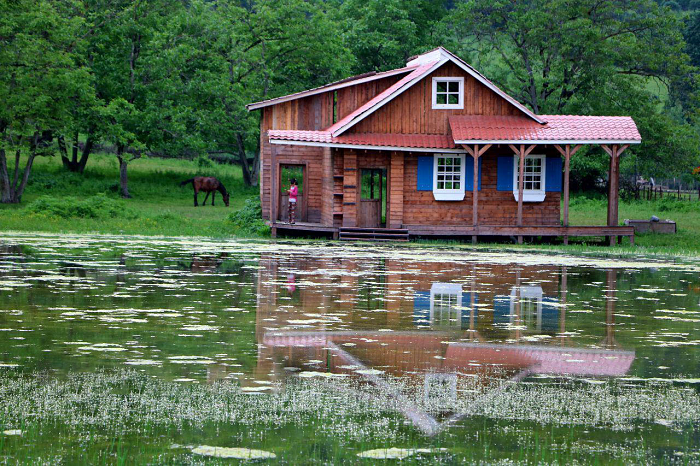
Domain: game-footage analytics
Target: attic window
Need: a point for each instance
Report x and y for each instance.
(448, 93)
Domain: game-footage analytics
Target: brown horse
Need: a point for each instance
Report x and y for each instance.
(208, 184)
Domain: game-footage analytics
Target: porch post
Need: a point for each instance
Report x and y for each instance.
(613, 186)
(476, 152)
(522, 153)
(567, 152)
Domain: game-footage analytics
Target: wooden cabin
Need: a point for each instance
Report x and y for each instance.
(431, 149)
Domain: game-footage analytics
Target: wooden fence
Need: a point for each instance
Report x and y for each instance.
(651, 193)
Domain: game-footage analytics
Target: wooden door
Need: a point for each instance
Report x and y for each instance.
(371, 188)
(287, 172)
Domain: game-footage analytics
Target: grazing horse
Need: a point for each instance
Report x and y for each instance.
(208, 184)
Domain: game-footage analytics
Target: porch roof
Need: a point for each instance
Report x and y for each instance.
(364, 140)
(480, 129)
(559, 129)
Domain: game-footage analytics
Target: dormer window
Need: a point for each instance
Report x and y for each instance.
(448, 93)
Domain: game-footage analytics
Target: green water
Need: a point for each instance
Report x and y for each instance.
(137, 350)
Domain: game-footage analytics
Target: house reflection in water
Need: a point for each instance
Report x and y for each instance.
(427, 323)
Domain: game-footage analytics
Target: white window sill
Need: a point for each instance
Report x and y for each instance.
(448, 107)
(455, 196)
(532, 196)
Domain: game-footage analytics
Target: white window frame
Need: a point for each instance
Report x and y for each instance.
(449, 194)
(530, 195)
(458, 105)
(451, 289)
(531, 294)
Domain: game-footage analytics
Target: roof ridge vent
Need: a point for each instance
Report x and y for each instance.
(427, 57)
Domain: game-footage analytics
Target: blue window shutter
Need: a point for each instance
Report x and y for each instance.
(550, 313)
(504, 181)
(469, 173)
(466, 308)
(553, 175)
(424, 181)
(421, 308)
(501, 306)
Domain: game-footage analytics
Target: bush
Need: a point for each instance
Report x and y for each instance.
(248, 221)
(671, 204)
(98, 206)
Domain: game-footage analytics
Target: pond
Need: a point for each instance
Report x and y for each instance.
(116, 350)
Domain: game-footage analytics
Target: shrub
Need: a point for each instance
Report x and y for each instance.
(98, 206)
(248, 220)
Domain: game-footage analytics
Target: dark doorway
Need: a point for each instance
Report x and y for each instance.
(372, 209)
(287, 172)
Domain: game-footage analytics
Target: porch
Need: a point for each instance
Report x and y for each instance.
(379, 195)
(466, 231)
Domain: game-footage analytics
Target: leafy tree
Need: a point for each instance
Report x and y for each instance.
(587, 57)
(211, 62)
(40, 78)
(384, 34)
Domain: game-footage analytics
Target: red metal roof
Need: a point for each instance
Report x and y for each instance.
(425, 141)
(346, 82)
(562, 128)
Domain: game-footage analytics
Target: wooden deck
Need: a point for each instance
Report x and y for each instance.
(616, 232)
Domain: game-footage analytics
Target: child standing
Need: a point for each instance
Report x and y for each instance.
(293, 191)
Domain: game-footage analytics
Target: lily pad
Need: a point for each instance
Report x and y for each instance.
(237, 453)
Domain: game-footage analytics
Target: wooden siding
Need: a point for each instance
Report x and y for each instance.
(396, 190)
(310, 113)
(495, 207)
(411, 112)
(352, 97)
(313, 158)
(350, 188)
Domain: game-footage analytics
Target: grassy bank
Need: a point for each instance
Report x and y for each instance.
(59, 201)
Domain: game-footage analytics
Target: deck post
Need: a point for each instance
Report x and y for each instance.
(522, 153)
(614, 152)
(476, 152)
(567, 152)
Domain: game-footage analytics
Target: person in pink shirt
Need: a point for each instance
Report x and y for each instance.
(293, 192)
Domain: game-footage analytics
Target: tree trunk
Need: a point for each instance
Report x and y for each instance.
(25, 177)
(250, 176)
(73, 164)
(89, 143)
(123, 180)
(5, 195)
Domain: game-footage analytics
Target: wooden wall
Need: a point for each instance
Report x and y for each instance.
(352, 97)
(313, 157)
(495, 207)
(411, 112)
(309, 113)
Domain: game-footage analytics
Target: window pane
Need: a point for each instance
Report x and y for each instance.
(442, 86)
(453, 99)
(441, 99)
(454, 86)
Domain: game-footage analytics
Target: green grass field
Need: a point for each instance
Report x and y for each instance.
(59, 201)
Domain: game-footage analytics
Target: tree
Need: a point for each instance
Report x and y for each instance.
(40, 77)
(212, 61)
(586, 57)
(384, 34)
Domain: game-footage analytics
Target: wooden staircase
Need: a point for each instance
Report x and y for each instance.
(372, 234)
